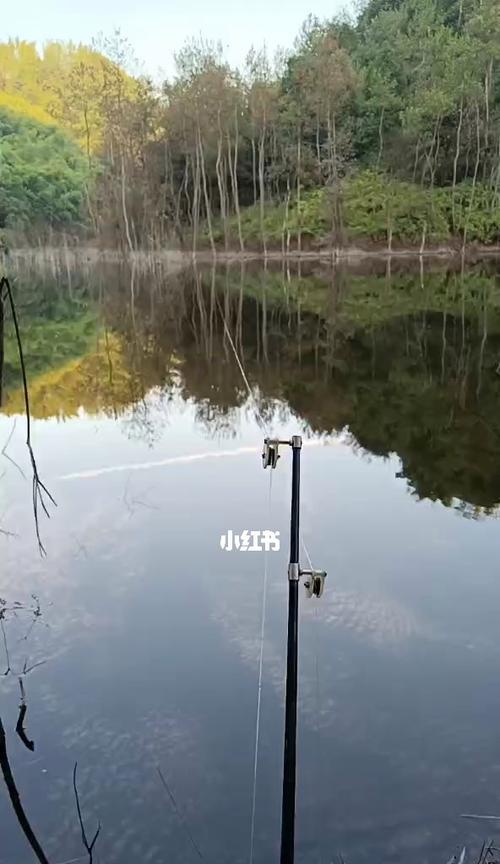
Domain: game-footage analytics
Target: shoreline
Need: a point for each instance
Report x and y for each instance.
(89, 255)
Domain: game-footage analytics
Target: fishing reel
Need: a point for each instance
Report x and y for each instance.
(314, 582)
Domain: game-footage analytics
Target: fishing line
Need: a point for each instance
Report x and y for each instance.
(260, 420)
(228, 334)
(179, 815)
(315, 588)
(259, 686)
(316, 647)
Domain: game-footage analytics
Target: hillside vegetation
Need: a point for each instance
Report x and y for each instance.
(383, 129)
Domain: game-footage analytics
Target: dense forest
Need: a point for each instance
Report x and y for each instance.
(380, 130)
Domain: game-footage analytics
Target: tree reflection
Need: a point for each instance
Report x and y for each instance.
(406, 361)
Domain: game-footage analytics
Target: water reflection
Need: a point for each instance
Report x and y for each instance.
(153, 648)
(408, 364)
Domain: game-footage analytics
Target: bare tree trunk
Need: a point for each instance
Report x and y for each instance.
(233, 173)
(436, 152)
(417, 157)
(476, 172)
(286, 230)
(429, 163)
(87, 135)
(220, 183)
(389, 229)
(196, 199)
(381, 137)
(174, 205)
(299, 214)
(274, 162)
(334, 145)
(318, 148)
(189, 202)
(205, 193)
(422, 244)
(487, 92)
(124, 208)
(262, 187)
(254, 172)
(455, 161)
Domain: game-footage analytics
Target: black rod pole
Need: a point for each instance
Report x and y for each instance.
(289, 768)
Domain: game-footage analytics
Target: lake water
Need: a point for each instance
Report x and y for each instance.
(148, 633)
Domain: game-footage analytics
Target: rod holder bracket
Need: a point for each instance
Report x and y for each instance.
(293, 572)
(270, 453)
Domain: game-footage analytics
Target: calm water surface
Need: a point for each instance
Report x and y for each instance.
(148, 634)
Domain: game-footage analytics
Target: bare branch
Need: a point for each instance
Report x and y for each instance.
(6, 455)
(5, 645)
(16, 800)
(88, 846)
(20, 720)
(40, 491)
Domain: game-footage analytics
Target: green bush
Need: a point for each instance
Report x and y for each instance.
(477, 209)
(43, 174)
(372, 204)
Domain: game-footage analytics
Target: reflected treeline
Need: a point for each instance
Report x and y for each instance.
(408, 361)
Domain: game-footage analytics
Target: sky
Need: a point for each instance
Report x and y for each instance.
(158, 28)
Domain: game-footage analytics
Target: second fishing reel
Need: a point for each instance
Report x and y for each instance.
(314, 583)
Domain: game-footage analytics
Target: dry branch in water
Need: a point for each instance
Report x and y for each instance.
(20, 720)
(16, 800)
(88, 846)
(6, 455)
(15, 610)
(40, 491)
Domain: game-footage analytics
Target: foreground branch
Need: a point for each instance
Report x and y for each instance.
(16, 801)
(88, 846)
(40, 491)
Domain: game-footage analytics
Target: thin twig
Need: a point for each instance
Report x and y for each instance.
(5, 645)
(6, 455)
(37, 614)
(27, 669)
(88, 846)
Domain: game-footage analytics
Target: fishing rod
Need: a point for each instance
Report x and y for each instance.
(314, 583)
